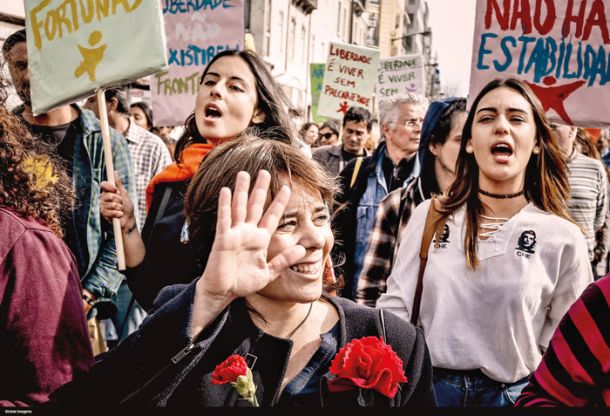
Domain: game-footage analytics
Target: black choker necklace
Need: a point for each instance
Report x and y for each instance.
(502, 196)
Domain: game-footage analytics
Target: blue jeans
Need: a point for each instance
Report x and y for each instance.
(472, 388)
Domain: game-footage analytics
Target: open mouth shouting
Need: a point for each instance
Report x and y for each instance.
(211, 111)
(502, 152)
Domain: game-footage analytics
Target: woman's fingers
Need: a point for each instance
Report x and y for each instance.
(274, 212)
(223, 219)
(258, 197)
(240, 198)
(285, 259)
(108, 199)
(108, 187)
(114, 214)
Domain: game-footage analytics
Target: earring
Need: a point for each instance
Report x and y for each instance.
(536, 150)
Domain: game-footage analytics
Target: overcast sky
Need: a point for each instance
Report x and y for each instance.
(452, 23)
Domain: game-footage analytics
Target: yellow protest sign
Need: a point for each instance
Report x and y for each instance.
(77, 46)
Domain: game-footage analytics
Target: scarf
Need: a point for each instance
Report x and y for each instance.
(177, 172)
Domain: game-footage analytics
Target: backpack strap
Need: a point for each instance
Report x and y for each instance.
(356, 170)
(434, 223)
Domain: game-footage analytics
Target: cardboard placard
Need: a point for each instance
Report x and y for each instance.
(560, 47)
(76, 47)
(196, 32)
(350, 75)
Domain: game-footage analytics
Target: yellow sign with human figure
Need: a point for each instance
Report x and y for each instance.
(78, 46)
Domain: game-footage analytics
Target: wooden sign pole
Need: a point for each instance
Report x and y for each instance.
(116, 224)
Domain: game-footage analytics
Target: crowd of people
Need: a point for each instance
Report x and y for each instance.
(427, 255)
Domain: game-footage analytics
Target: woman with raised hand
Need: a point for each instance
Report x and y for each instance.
(237, 91)
(259, 310)
(506, 261)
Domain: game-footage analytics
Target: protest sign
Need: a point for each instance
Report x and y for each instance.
(349, 79)
(316, 73)
(560, 47)
(400, 75)
(78, 48)
(196, 32)
(75, 47)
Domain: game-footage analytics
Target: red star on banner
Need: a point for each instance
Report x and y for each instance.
(553, 97)
(343, 107)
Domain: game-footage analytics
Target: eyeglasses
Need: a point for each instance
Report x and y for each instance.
(326, 136)
(414, 122)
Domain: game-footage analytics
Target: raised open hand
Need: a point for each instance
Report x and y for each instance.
(237, 265)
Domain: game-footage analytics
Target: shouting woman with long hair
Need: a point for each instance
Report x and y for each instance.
(506, 262)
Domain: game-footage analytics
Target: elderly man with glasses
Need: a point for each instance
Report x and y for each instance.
(366, 181)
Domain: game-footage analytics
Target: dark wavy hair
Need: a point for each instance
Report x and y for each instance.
(546, 174)
(33, 183)
(271, 100)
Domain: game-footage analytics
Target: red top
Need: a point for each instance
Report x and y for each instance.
(44, 340)
(575, 371)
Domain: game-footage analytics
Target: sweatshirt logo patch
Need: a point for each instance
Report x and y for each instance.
(444, 238)
(526, 244)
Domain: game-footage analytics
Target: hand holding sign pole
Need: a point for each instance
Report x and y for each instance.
(116, 224)
(90, 44)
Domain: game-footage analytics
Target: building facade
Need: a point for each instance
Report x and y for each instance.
(291, 34)
(388, 23)
(419, 41)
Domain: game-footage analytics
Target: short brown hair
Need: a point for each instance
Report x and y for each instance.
(250, 152)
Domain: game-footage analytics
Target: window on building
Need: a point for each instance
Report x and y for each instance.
(372, 31)
(292, 37)
(267, 16)
(267, 25)
(303, 43)
(345, 25)
(412, 1)
(247, 15)
(411, 18)
(339, 21)
(281, 28)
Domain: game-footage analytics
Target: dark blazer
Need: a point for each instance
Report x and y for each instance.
(160, 366)
(331, 158)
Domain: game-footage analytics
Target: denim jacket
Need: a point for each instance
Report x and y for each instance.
(375, 191)
(96, 247)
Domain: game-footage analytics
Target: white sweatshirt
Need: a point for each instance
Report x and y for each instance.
(498, 317)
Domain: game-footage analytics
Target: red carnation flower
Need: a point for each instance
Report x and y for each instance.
(229, 370)
(368, 363)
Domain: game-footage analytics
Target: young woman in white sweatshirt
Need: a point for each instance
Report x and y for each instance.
(510, 261)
